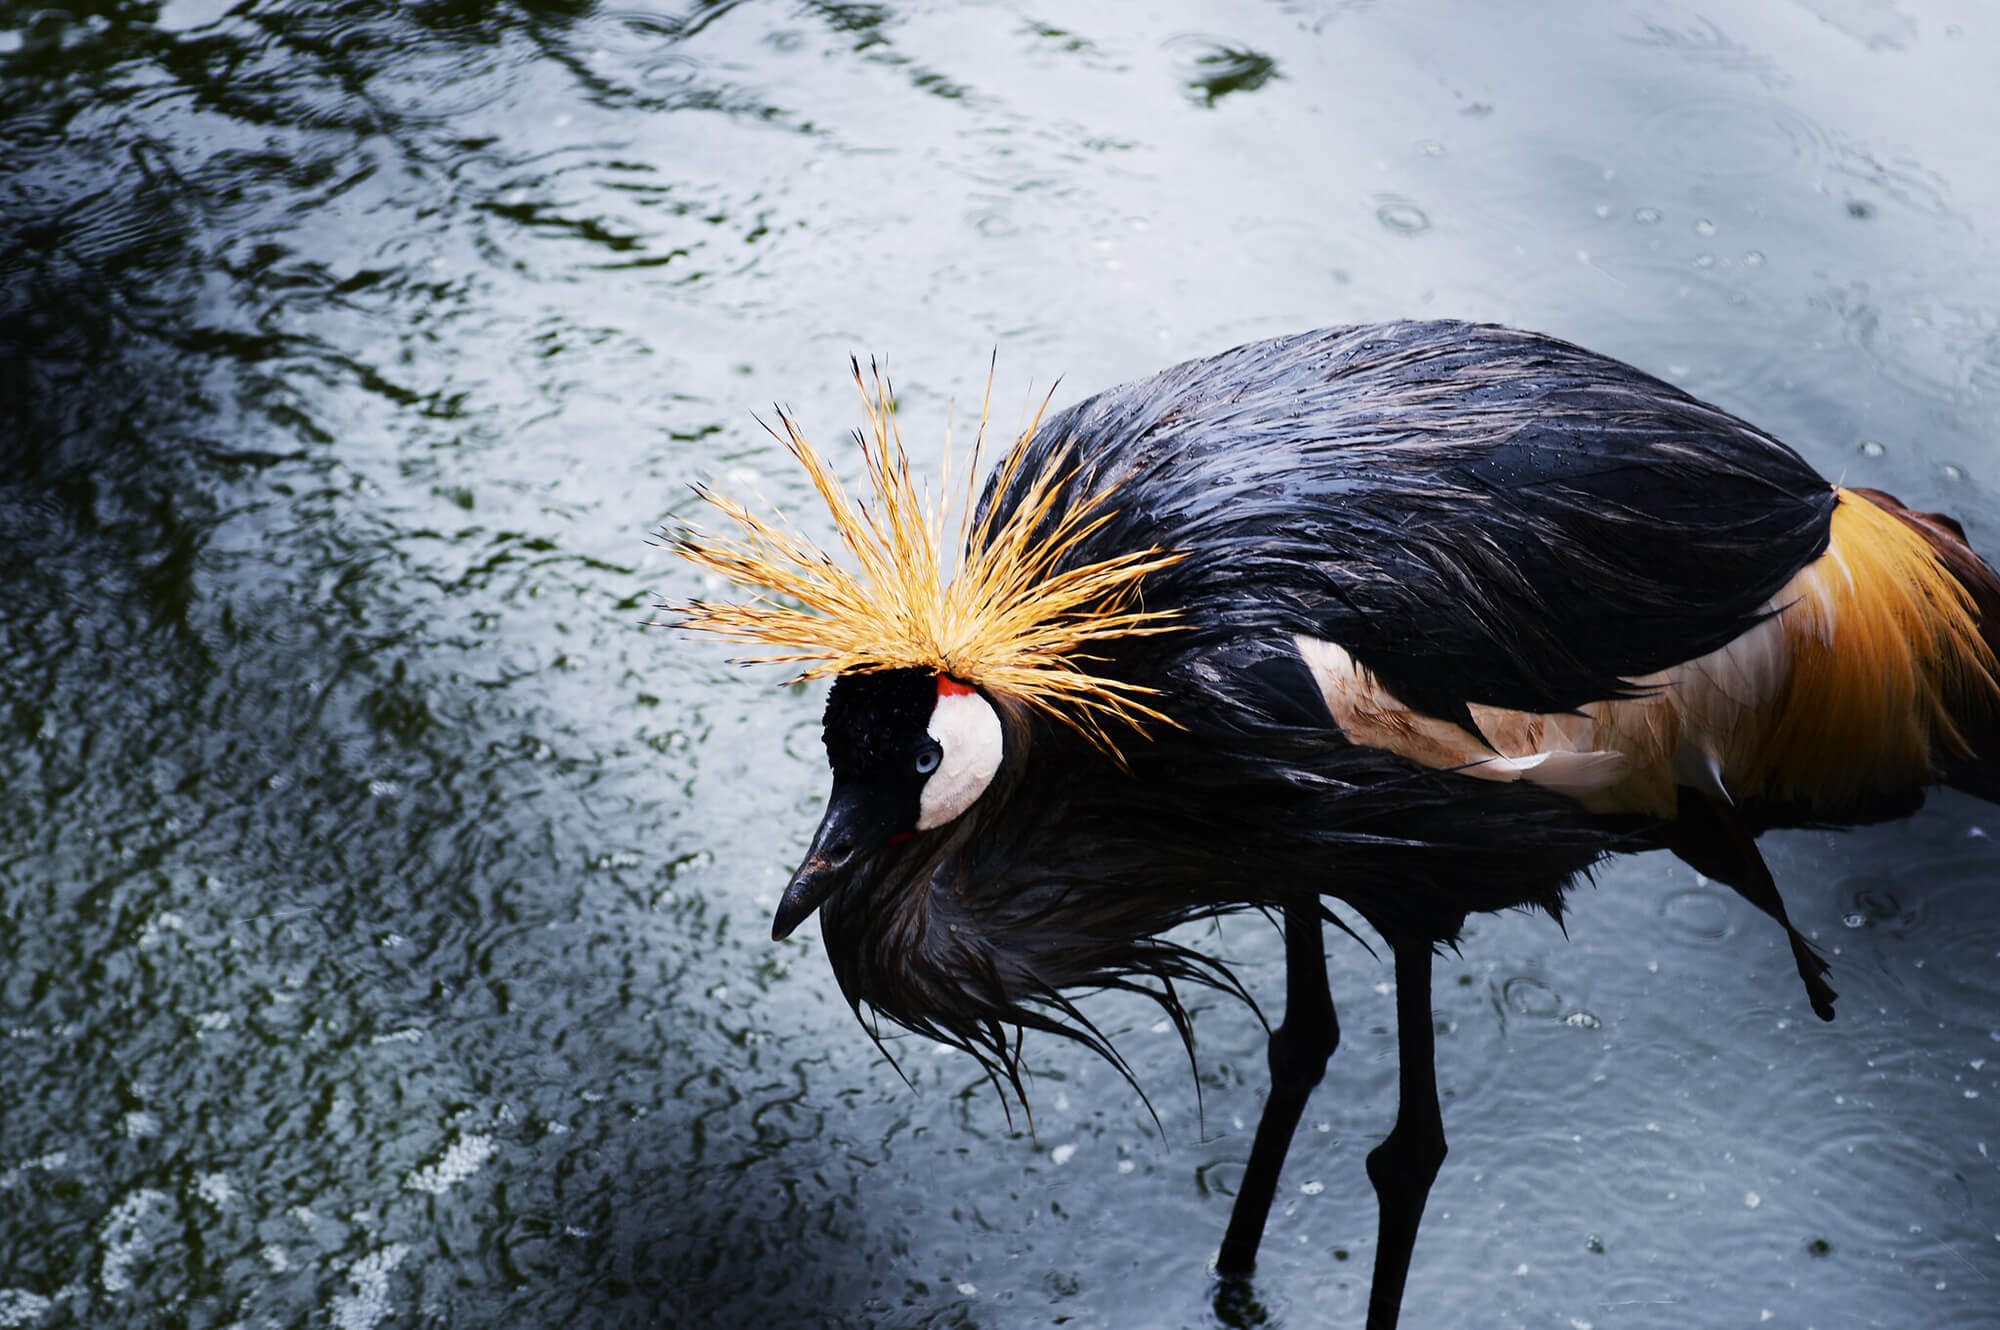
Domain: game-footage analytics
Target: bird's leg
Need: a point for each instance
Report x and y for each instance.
(1752, 881)
(1403, 1166)
(1298, 1051)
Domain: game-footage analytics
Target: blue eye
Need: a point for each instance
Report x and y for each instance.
(928, 759)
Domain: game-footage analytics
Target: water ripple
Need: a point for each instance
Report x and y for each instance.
(1734, 138)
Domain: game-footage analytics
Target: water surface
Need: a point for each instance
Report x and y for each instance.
(384, 911)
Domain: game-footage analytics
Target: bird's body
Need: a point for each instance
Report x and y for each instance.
(1436, 616)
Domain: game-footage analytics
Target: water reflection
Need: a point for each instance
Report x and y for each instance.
(1214, 69)
(383, 914)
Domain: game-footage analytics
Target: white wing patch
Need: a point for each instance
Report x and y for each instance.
(1579, 775)
(968, 730)
(1697, 724)
(1841, 693)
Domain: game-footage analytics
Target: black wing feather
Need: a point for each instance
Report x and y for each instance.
(1476, 514)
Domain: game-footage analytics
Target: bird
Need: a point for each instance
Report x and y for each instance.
(1422, 618)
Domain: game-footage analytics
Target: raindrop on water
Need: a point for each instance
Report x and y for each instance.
(1402, 217)
(1697, 914)
(1530, 997)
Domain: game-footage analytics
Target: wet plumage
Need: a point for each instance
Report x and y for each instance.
(1432, 617)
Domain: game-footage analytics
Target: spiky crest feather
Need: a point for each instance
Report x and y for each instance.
(1010, 617)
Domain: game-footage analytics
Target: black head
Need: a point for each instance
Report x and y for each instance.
(910, 750)
(874, 728)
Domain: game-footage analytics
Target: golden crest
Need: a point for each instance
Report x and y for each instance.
(996, 606)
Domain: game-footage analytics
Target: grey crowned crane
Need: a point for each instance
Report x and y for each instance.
(1425, 618)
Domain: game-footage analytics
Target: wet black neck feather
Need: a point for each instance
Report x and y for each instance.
(1067, 871)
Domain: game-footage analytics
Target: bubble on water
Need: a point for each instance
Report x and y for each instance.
(19, 1307)
(53, 1160)
(368, 1305)
(1402, 216)
(124, 1238)
(462, 1158)
(1062, 1154)
(1646, 216)
(1870, 448)
(157, 928)
(1526, 996)
(1698, 914)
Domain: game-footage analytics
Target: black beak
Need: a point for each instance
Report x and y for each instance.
(855, 823)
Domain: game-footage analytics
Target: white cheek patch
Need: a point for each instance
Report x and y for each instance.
(968, 730)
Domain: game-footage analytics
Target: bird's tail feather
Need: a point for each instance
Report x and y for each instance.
(1894, 638)
(1970, 758)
